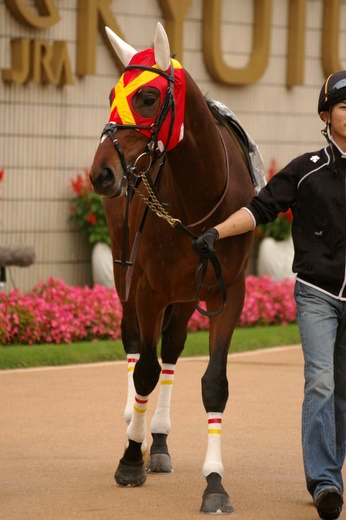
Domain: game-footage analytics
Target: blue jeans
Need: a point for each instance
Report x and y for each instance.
(322, 324)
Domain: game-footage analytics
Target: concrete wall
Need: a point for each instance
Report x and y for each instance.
(48, 134)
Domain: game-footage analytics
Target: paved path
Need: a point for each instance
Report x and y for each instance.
(62, 434)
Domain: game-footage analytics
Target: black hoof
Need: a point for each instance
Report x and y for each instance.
(133, 476)
(160, 463)
(216, 503)
(215, 499)
(160, 460)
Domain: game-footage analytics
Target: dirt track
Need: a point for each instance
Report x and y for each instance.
(62, 434)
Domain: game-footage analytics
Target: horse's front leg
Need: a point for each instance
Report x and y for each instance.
(131, 470)
(215, 396)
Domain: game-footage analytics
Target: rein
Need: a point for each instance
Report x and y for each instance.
(152, 201)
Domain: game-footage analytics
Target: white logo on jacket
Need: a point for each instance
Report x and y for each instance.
(314, 158)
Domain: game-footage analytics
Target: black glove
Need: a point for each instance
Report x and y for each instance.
(204, 244)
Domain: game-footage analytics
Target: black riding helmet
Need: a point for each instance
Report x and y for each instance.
(333, 91)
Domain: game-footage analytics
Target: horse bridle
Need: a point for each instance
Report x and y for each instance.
(152, 202)
(152, 151)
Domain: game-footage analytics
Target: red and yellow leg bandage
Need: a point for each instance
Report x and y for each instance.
(213, 462)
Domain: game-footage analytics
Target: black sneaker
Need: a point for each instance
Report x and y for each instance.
(329, 503)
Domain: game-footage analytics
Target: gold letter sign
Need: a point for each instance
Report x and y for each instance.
(48, 13)
(330, 37)
(42, 61)
(93, 14)
(260, 45)
(174, 12)
(296, 43)
(38, 61)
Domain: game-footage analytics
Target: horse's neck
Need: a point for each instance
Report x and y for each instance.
(198, 163)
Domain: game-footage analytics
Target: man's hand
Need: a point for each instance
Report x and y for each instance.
(204, 244)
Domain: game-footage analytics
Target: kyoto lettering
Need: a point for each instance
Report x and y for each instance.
(44, 61)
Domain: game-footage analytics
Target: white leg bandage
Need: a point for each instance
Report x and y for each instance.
(136, 430)
(161, 422)
(213, 462)
(131, 363)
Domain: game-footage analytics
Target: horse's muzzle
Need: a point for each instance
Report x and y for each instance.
(106, 184)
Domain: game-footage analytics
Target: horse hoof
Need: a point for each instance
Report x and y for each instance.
(215, 499)
(160, 463)
(133, 476)
(216, 503)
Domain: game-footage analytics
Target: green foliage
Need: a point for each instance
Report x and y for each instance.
(280, 229)
(87, 211)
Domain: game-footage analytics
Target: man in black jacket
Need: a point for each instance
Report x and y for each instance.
(314, 187)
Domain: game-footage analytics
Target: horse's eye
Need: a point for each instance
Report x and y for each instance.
(145, 101)
(149, 101)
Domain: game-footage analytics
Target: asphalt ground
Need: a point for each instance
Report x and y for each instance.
(62, 435)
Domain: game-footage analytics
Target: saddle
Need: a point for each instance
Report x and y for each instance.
(247, 147)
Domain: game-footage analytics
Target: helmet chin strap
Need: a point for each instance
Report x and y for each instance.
(326, 133)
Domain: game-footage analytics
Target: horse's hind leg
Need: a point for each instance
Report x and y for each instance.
(173, 340)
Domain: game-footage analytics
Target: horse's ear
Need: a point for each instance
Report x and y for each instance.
(162, 48)
(124, 51)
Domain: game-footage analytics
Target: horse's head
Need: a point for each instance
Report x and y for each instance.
(146, 114)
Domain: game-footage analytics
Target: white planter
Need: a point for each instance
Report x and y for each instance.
(102, 265)
(275, 258)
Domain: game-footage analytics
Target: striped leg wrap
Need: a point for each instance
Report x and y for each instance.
(161, 422)
(213, 462)
(131, 363)
(136, 430)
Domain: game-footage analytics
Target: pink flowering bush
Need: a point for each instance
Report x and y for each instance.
(268, 302)
(54, 312)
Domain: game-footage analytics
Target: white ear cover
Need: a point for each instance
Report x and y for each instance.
(124, 51)
(162, 48)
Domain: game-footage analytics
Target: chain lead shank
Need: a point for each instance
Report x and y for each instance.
(154, 204)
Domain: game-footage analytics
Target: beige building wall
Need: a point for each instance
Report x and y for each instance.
(48, 134)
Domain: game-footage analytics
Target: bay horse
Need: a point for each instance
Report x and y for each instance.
(166, 171)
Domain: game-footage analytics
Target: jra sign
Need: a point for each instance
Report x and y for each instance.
(40, 62)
